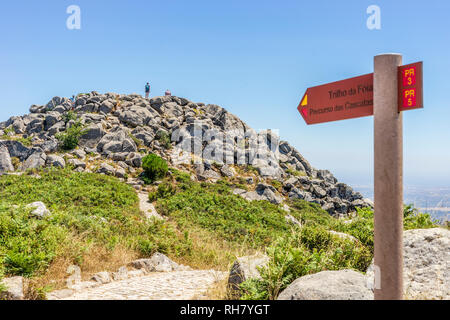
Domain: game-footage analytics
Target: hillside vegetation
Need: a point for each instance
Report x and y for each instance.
(95, 222)
(224, 190)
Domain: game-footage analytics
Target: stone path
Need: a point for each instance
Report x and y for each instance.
(147, 208)
(176, 285)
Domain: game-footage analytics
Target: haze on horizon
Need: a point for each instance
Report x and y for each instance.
(254, 58)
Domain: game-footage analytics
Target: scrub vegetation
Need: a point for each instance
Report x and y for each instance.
(95, 222)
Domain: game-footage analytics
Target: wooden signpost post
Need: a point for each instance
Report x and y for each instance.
(391, 89)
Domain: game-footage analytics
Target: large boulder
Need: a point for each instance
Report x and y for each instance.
(169, 109)
(343, 235)
(37, 109)
(14, 288)
(39, 209)
(426, 256)
(106, 169)
(18, 125)
(16, 149)
(329, 285)
(55, 161)
(53, 103)
(262, 192)
(157, 263)
(74, 273)
(36, 125)
(5, 160)
(107, 106)
(136, 116)
(93, 134)
(51, 118)
(118, 140)
(35, 161)
(245, 268)
(76, 163)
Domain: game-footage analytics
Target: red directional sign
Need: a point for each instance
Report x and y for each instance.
(350, 98)
(410, 87)
(353, 98)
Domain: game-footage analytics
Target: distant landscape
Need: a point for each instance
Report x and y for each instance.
(433, 200)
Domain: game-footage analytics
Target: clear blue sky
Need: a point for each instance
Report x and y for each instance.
(255, 58)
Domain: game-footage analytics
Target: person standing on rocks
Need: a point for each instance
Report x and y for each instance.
(73, 101)
(168, 93)
(147, 90)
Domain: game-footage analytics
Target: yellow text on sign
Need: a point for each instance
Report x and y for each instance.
(410, 93)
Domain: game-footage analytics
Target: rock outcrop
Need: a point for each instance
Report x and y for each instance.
(119, 129)
(158, 263)
(245, 268)
(426, 273)
(39, 209)
(14, 288)
(329, 285)
(426, 258)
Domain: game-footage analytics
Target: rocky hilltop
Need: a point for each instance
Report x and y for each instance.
(116, 131)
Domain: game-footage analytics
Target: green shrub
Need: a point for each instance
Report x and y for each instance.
(181, 177)
(9, 130)
(296, 173)
(25, 141)
(276, 184)
(69, 138)
(164, 139)
(413, 219)
(69, 115)
(308, 251)
(154, 167)
(15, 162)
(136, 141)
(164, 190)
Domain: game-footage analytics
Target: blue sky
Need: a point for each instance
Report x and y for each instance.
(255, 58)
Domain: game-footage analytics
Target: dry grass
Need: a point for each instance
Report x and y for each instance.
(209, 252)
(100, 259)
(219, 291)
(95, 259)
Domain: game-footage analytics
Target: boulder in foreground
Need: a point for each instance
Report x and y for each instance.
(426, 256)
(245, 268)
(329, 285)
(14, 288)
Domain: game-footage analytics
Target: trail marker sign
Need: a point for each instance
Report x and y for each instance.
(410, 87)
(392, 88)
(353, 98)
(345, 99)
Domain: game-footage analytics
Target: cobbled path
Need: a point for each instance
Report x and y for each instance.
(176, 285)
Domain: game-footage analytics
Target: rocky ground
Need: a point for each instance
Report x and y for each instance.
(204, 139)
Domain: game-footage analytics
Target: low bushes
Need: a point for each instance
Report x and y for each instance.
(313, 248)
(164, 139)
(87, 210)
(164, 190)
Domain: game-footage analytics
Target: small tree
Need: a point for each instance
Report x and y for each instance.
(164, 139)
(154, 167)
(69, 138)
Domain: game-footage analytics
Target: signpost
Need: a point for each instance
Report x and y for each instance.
(392, 88)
